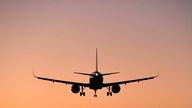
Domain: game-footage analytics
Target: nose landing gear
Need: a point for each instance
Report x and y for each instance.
(95, 95)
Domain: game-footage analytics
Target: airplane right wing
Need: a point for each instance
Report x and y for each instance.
(62, 81)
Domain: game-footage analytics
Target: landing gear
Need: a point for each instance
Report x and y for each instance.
(95, 95)
(109, 93)
(82, 93)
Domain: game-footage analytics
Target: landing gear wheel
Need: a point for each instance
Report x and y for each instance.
(109, 93)
(82, 93)
(95, 95)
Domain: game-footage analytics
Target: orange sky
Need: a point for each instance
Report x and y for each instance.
(137, 38)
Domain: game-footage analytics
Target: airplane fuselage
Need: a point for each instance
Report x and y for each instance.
(96, 81)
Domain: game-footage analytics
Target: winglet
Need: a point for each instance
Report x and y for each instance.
(33, 73)
(156, 75)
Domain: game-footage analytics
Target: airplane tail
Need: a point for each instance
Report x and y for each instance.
(92, 74)
(97, 66)
(83, 73)
(97, 70)
(110, 73)
(96, 61)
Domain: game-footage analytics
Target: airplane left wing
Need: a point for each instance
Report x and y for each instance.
(62, 81)
(129, 81)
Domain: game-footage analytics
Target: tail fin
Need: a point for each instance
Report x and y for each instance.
(96, 67)
(96, 61)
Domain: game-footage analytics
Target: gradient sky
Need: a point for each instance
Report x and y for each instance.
(139, 38)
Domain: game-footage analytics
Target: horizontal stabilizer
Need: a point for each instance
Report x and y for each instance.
(110, 73)
(83, 73)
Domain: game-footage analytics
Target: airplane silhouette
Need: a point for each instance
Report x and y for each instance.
(95, 82)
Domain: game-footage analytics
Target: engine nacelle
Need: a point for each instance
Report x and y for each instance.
(116, 88)
(75, 88)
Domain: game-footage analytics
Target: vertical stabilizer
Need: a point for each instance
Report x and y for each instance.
(96, 61)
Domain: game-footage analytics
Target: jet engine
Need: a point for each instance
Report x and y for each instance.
(116, 88)
(75, 88)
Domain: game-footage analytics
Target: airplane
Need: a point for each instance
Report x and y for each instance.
(95, 82)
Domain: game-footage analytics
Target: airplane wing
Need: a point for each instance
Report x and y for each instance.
(129, 81)
(62, 81)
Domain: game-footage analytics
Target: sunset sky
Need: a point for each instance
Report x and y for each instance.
(139, 38)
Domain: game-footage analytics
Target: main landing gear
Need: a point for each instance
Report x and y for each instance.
(109, 93)
(82, 93)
